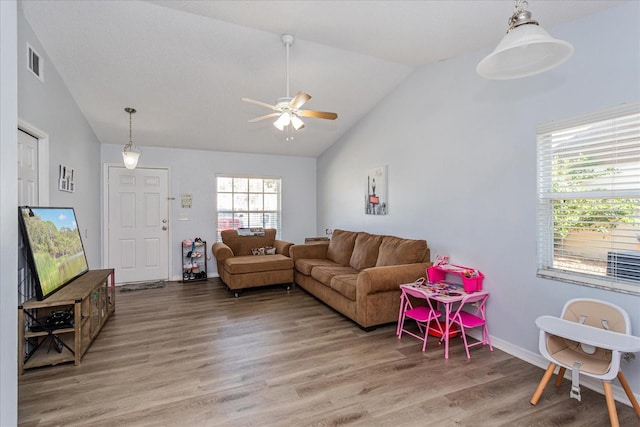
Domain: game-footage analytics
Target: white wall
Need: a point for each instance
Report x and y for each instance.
(194, 172)
(461, 156)
(8, 214)
(50, 108)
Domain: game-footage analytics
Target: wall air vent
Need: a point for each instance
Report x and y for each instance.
(34, 63)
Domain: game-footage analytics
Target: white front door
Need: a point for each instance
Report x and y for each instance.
(27, 169)
(28, 158)
(138, 224)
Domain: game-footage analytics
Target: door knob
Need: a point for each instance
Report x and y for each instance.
(164, 227)
(164, 221)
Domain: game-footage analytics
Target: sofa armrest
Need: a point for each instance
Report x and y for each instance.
(282, 247)
(388, 278)
(221, 251)
(318, 251)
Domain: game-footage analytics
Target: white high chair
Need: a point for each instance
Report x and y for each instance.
(590, 338)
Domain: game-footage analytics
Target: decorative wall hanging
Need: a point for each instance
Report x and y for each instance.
(376, 201)
(66, 179)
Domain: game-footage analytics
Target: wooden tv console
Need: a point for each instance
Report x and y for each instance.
(90, 299)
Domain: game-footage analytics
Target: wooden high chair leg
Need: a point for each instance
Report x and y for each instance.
(627, 389)
(543, 383)
(611, 404)
(560, 376)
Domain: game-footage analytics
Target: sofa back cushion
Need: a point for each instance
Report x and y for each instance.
(397, 251)
(242, 245)
(341, 246)
(365, 251)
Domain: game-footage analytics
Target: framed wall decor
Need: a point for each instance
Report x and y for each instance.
(376, 201)
(66, 179)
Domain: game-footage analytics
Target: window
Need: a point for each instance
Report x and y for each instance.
(589, 199)
(248, 202)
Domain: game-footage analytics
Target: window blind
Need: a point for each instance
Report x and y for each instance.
(589, 199)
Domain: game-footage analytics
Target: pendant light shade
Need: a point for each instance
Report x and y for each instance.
(130, 153)
(525, 50)
(131, 157)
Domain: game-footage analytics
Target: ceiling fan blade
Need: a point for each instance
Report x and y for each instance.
(268, 116)
(317, 114)
(260, 103)
(299, 100)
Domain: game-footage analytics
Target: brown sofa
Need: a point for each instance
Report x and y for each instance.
(239, 268)
(358, 274)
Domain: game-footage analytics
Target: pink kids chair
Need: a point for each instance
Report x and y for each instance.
(423, 315)
(475, 319)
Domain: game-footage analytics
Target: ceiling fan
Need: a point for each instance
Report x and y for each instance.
(287, 109)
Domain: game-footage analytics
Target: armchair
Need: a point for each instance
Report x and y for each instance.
(238, 268)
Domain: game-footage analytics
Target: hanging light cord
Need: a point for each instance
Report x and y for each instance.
(130, 143)
(129, 110)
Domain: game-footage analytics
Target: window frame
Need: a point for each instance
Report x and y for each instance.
(545, 197)
(249, 211)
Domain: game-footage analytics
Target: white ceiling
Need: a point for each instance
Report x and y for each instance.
(184, 65)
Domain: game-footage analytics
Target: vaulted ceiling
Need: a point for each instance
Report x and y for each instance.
(185, 65)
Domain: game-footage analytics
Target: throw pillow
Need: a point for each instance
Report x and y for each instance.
(266, 250)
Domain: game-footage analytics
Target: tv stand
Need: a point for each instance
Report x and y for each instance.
(90, 300)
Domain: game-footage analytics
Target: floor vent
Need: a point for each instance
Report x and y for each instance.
(34, 63)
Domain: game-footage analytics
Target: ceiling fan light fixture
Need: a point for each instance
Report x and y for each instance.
(287, 109)
(527, 49)
(283, 121)
(296, 122)
(130, 153)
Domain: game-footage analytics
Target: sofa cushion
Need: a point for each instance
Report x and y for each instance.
(345, 284)
(324, 273)
(341, 246)
(242, 245)
(397, 251)
(365, 251)
(305, 266)
(258, 263)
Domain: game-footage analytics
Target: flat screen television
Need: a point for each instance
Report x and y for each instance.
(54, 247)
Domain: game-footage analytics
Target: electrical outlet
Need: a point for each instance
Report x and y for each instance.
(328, 231)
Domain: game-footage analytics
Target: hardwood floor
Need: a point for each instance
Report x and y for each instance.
(192, 355)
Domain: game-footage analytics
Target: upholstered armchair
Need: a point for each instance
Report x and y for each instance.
(239, 268)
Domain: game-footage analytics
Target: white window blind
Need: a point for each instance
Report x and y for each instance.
(589, 199)
(244, 201)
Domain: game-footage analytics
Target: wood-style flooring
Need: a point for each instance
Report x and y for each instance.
(193, 355)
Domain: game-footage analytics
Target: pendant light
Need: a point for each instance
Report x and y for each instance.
(131, 153)
(525, 50)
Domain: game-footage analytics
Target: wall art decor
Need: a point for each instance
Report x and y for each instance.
(376, 198)
(66, 179)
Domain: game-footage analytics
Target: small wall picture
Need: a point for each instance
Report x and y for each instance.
(66, 179)
(376, 202)
(186, 200)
